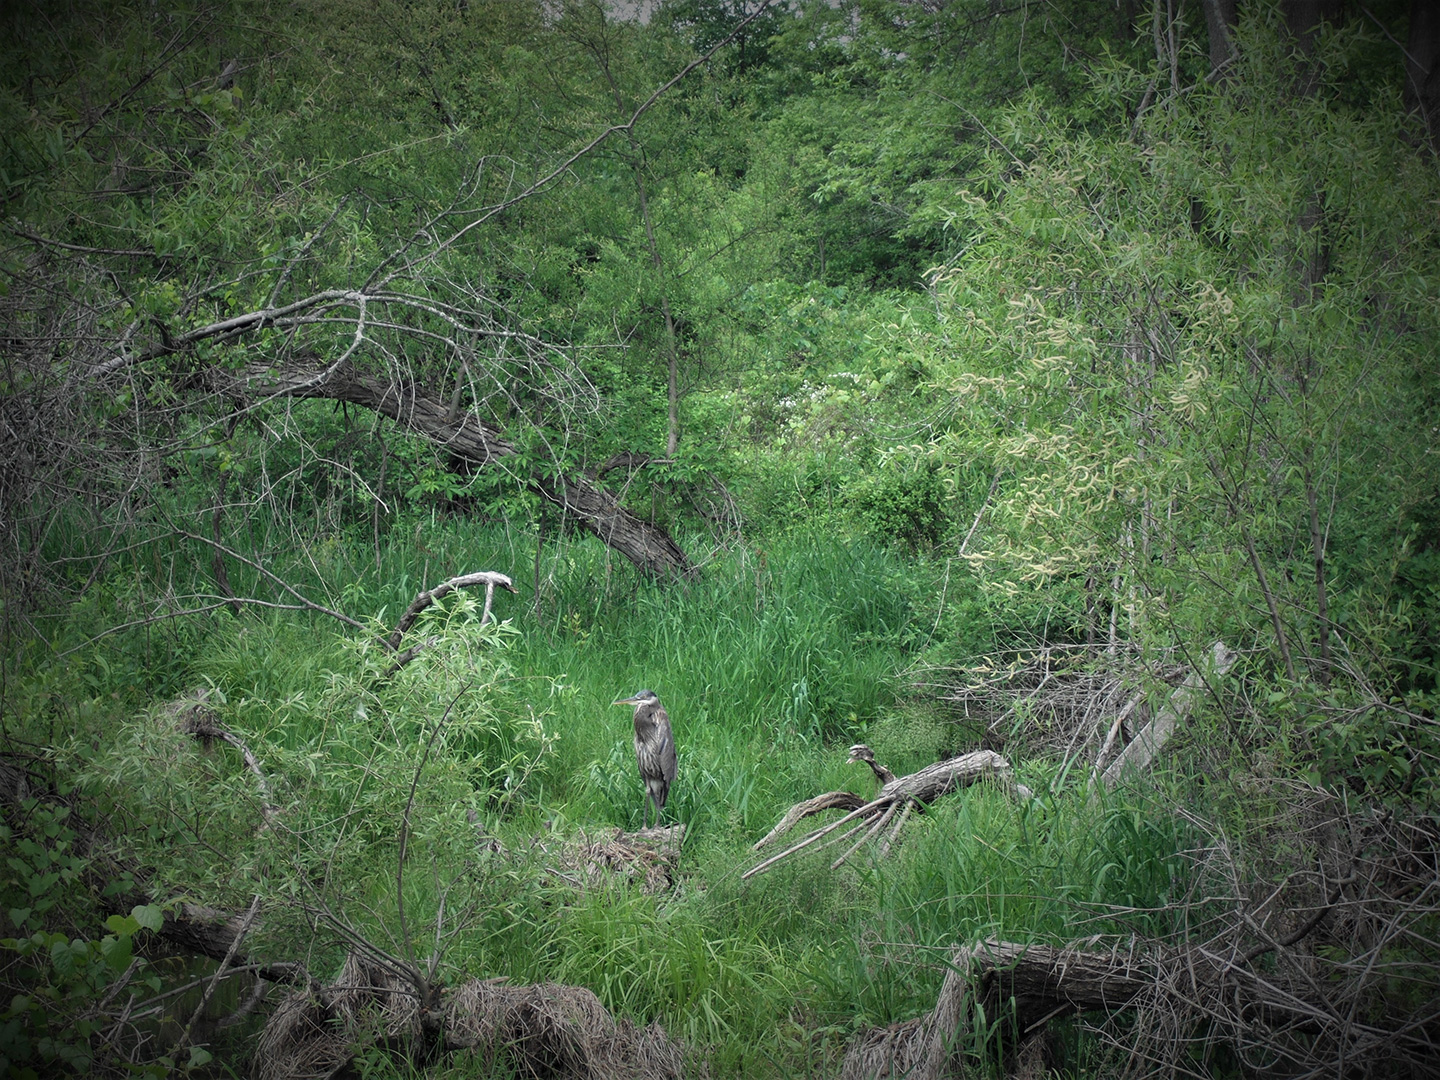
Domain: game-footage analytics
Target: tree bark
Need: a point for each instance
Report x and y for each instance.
(1040, 980)
(1303, 18)
(1422, 66)
(649, 547)
(1220, 20)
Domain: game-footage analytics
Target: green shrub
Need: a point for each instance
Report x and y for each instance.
(65, 993)
(902, 502)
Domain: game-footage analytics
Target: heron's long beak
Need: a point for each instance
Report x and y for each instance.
(626, 701)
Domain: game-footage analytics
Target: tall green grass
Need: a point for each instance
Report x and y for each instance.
(770, 664)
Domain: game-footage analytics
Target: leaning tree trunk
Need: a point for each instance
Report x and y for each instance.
(471, 439)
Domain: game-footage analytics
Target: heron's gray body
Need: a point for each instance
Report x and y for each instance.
(654, 750)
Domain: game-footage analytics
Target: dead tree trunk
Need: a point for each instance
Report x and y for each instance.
(1022, 987)
(1041, 980)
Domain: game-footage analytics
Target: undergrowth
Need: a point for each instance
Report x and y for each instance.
(499, 737)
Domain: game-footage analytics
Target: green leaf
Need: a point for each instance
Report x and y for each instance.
(117, 952)
(122, 925)
(150, 916)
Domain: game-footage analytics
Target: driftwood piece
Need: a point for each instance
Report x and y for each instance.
(896, 796)
(1148, 742)
(831, 800)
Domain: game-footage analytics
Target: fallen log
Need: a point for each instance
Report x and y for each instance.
(1042, 981)
(897, 796)
(468, 437)
(1016, 989)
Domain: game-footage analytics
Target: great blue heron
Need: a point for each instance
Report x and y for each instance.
(654, 749)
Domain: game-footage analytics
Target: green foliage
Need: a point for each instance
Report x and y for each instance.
(905, 502)
(55, 1019)
(1171, 408)
(767, 666)
(1166, 342)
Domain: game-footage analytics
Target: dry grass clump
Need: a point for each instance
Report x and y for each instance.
(554, 1030)
(917, 1049)
(546, 1030)
(316, 1033)
(649, 858)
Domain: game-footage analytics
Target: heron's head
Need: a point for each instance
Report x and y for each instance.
(640, 697)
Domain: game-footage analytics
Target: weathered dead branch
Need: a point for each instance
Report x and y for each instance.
(899, 794)
(1141, 750)
(831, 800)
(194, 716)
(488, 578)
(1079, 702)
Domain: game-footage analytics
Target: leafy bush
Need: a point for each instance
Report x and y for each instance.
(903, 501)
(66, 994)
